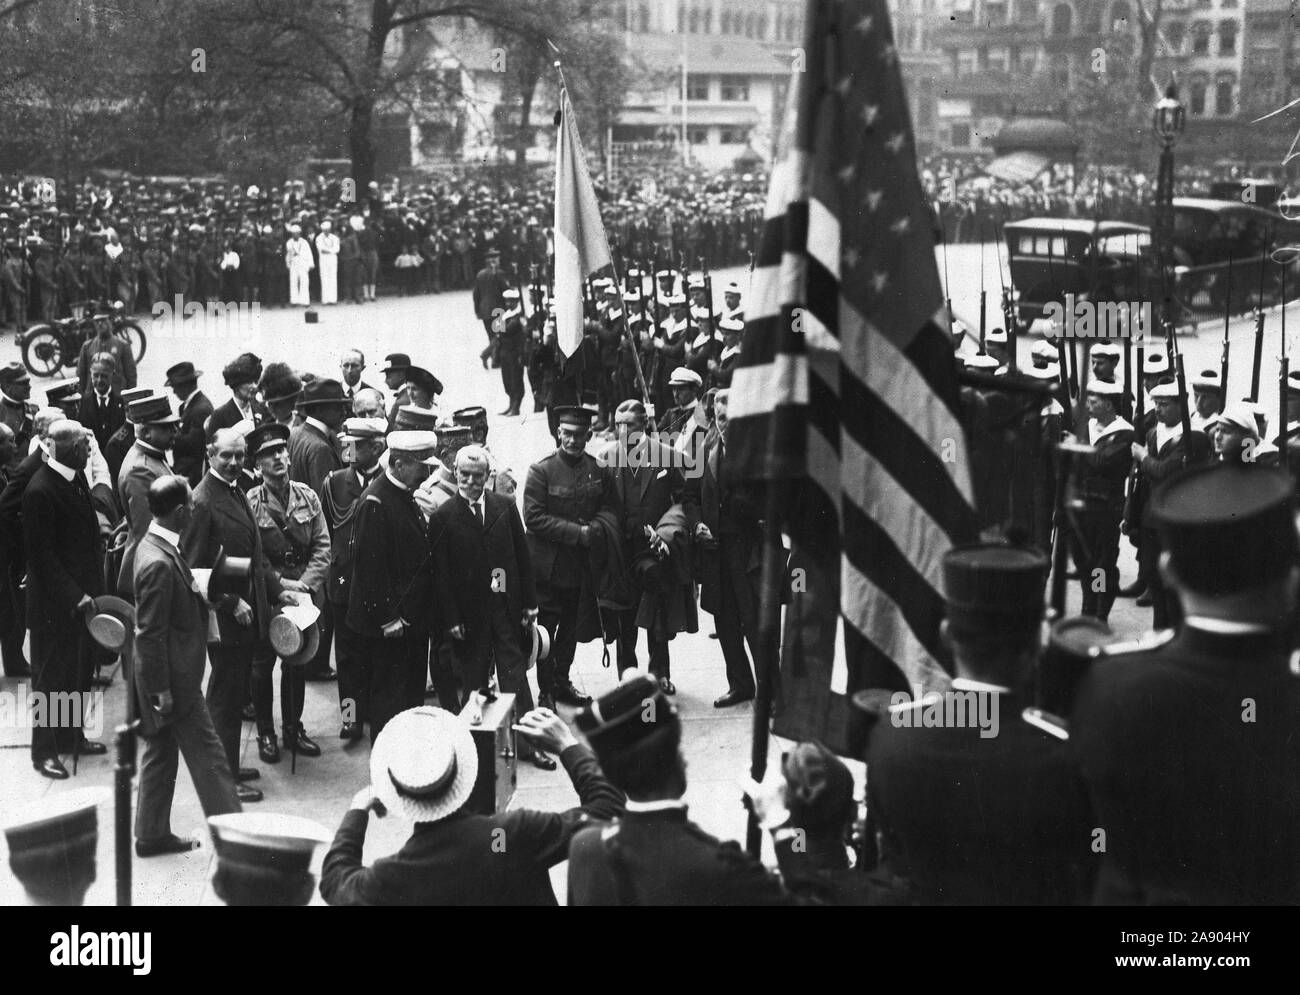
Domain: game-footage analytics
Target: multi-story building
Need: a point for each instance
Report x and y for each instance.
(1003, 58)
(1271, 79)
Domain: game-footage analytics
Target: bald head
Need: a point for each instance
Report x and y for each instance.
(368, 403)
(45, 418)
(69, 442)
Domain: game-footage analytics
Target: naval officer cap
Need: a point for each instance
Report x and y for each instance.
(994, 586)
(1227, 528)
(575, 414)
(420, 445)
(359, 429)
(685, 377)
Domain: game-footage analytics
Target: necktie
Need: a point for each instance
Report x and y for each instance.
(478, 513)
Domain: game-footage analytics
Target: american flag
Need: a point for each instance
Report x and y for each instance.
(846, 385)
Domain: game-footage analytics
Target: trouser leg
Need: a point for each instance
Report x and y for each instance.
(227, 691)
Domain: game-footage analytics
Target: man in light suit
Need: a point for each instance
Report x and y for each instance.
(171, 625)
(483, 590)
(223, 520)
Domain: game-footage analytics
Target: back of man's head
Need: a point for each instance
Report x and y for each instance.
(166, 494)
(636, 735)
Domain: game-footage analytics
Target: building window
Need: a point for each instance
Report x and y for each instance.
(643, 14)
(734, 136)
(995, 13)
(697, 136)
(735, 88)
(1028, 62)
(1196, 105)
(1120, 21)
(1026, 11)
(1090, 22)
(1224, 102)
(960, 136)
(1264, 85)
(1175, 34)
(693, 21)
(1227, 37)
(697, 87)
(996, 60)
(724, 23)
(1062, 20)
(965, 63)
(1201, 38)
(760, 30)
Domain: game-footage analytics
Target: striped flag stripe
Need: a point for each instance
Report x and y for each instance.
(878, 617)
(824, 239)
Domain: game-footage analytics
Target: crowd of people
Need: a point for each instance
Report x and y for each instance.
(147, 241)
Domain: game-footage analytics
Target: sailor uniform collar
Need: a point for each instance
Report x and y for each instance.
(702, 339)
(1097, 432)
(1166, 434)
(728, 352)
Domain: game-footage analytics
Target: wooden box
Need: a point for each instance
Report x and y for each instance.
(497, 771)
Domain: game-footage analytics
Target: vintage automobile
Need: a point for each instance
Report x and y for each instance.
(1090, 260)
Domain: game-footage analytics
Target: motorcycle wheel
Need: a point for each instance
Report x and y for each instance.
(133, 335)
(42, 351)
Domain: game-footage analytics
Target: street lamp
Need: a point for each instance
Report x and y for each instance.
(1168, 121)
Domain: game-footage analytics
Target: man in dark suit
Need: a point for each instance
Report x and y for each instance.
(933, 761)
(653, 854)
(64, 576)
(146, 461)
(223, 520)
(647, 481)
(363, 444)
(563, 494)
(241, 375)
(169, 657)
(395, 366)
(483, 591)
(351, 366)
(104, 341)
(490, 286)
(195, 408)
(12, 613)
(101, 409)
(731, 543)
(451, 858)
(392, 582)
(1188, 743)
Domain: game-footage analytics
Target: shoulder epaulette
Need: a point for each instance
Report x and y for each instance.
(372, 497)
(1143, 644)
(1051, 724)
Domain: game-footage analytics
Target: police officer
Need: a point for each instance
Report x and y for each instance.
(933, 765)
(1101, 479)
(296, 541)
(1188, 743)
(563, 494)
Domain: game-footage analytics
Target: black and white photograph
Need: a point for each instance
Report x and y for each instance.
(707, 453)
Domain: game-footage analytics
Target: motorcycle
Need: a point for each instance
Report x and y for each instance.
(49, 346)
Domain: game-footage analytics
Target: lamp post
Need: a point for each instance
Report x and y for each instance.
(1168, 122)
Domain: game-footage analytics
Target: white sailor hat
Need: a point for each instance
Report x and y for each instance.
(701, 314)
(677, 300)
(980, 361)
(510, 293)
(1239, 416)
(1049, 372)
(683, 377)
(1164, 392)
(1043, 350)
(356, 429)
(1106, 351)
(1209, 380)
(1154, 362)
(997, 336)
(1104, 388)
(731, 288)
(731, 325)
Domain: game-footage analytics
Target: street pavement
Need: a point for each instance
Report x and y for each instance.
(439, 332)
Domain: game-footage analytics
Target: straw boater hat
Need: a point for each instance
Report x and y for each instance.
(424, 764)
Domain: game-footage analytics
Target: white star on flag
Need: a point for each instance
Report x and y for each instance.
(895, 142)
(869, 114)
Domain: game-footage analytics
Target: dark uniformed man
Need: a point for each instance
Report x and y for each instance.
(490, 285)
(146, 461)
(977, 803)
(1188, 746)
(509, 339)
(563, 494)
(15, 411)
(296, 541)
(1100, 479)
(391, 578)
(654, 854)
(1157, 461)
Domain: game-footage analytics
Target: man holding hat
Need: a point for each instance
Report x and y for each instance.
(1101, 479)
(1188, 744)
(15, 411)
(563, 495)
(392, 582)
(223, 521)
(241, 375)
(146, 460)
(296, 541)
(653, 854)
(423, 769)
(490, 286)
(169, 658)
(363, 444)
(195, 408)
(936, 759)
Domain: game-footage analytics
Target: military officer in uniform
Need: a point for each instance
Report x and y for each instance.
(15, 389)
(363, 444)
(296, 541)
(1101, 479)
(146, 460)
(1030, 843)
(490, 286)
(392, 581)
(563, 494)
(1187, 742)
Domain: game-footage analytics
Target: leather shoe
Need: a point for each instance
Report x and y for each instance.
(247, 774)
(543, 762)
(565, 692)
(268, 749)
(52, 767)
(90, 748)
(667, 686)
(247, 795)
(733, 698)
(546, 700)
(350, 730)
(297, 741)
(164, 845)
